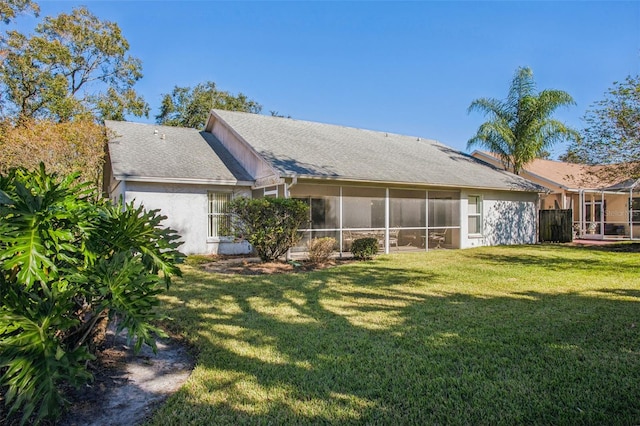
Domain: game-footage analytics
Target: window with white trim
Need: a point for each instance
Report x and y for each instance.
(219, 217)
(474, 213)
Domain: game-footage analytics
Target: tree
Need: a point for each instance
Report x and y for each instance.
(190, 107)
(10, 8)
(612, 131)
(62, 147)
(520, 128)
(66, 263)
(270, 225)
(75, 65)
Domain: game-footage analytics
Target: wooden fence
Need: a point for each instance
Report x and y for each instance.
(556, 226)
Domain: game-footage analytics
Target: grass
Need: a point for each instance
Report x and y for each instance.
(504, 335)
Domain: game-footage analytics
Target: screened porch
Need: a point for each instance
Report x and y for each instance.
(613, 213)
(400, 219)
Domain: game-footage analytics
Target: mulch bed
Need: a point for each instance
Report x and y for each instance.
(253, 266)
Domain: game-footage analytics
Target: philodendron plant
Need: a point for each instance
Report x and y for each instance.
(67, 262)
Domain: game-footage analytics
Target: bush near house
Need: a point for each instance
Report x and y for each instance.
(364, 248)
(66, 264)
(270, 225)
(320, 249)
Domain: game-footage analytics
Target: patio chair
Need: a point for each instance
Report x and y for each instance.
(438, 238)
(393, 238)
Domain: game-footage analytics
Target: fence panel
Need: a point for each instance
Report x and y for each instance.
(556, 226)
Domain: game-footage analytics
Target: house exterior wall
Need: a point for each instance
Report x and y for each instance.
(117, 190)
(508, 218)
(186, 208)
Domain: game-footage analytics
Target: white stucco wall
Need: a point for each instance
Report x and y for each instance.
(186, 208)
(507, 218)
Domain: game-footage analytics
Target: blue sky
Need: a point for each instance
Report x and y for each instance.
(404, 67)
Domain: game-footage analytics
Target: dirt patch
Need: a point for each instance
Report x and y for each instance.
(127, 388)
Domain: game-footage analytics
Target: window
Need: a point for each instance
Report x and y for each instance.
(219, 217)
(475, 214)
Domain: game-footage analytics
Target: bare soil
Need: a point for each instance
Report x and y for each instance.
(127, 388)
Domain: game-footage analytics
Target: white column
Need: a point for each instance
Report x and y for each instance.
(631, 214)
(426, 218)
(386, 221)
(340, 219)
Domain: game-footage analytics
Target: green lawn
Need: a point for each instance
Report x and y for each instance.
(506, 335)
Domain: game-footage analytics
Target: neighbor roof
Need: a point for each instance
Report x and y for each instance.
(149, 152)
(316, 150)
(563, 174)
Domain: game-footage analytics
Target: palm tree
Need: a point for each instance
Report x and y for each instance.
(520, 128)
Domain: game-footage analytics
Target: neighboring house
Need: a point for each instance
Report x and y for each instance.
(601, 208)
(409, 193)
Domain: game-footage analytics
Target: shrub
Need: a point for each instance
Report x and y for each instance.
(320, 249)
(66, 264)
(270, 225)
(364, 248)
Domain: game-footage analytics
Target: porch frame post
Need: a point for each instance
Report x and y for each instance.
(602, 214)
(426, 221)
(340, 221)
(386, 221)
(631, 214)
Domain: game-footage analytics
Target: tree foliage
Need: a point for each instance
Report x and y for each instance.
(62, 147)
(612, 130)
(9, 9)
(520, 128)
(270, 225)
(74, 65)
(66, 263)
(190, 107)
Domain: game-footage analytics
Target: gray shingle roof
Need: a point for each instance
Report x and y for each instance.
(139, 152)
(309, 149)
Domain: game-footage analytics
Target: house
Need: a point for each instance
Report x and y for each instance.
(408, 192)
(603, 207)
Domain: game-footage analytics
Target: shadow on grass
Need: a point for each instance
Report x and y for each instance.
(563, 258)
(376, 344)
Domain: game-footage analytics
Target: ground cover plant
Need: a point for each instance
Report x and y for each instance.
(504, 335)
